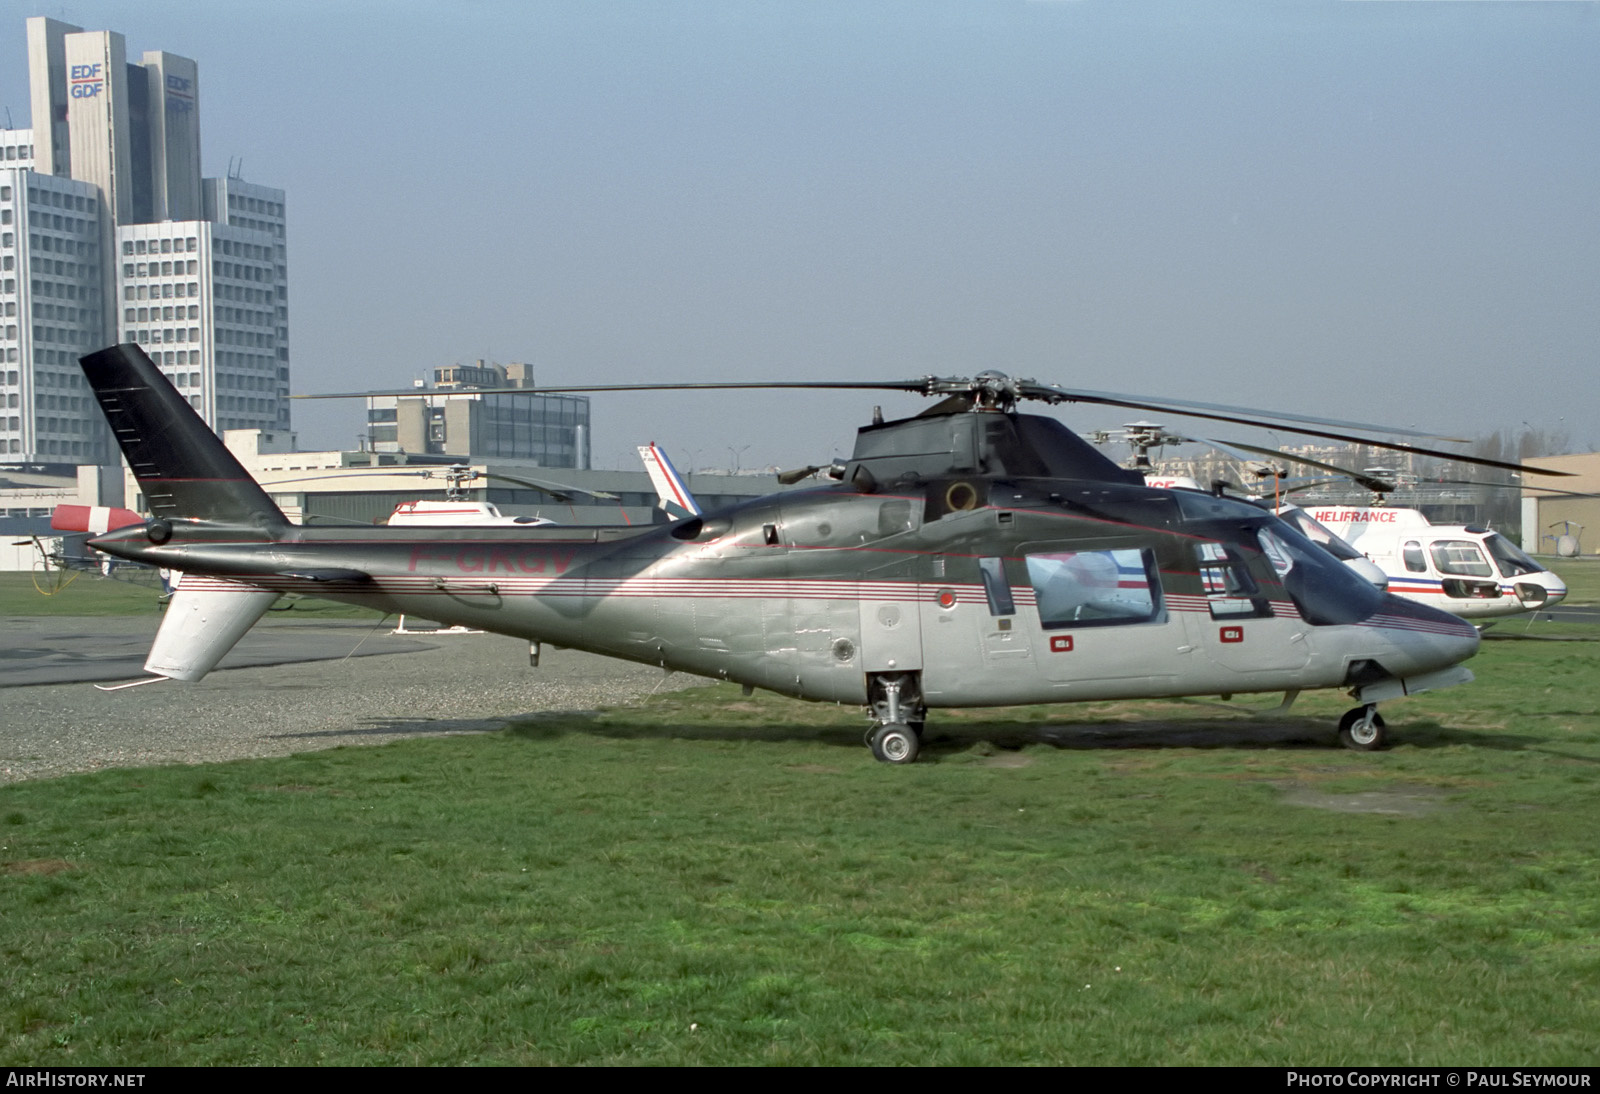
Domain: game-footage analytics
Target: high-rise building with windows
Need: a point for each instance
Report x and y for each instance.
(110, 233)
(456, 417)
(52, 297)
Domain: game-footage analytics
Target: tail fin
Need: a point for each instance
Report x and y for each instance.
(183, 468)
(674, 496)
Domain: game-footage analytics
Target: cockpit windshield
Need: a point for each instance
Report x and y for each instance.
(1318, 534)
(1510, 559)
(1325, 591)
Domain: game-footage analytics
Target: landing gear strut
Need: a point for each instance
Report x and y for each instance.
(1363, 729)
(898, 710)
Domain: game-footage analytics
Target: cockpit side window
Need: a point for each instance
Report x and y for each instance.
(1460, 557)
(1231, 593)
(896, 516)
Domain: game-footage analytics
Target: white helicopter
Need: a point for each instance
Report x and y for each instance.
(1468, 570)
(1464, 569)
(456, 508)
(1471, 572)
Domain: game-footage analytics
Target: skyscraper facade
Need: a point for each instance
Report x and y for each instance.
(110, 233)
(457, 417)
(52, 294)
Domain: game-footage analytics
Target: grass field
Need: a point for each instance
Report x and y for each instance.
(714, 879)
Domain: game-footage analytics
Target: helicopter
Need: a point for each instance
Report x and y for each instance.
(970, 555)
(456, 508)
(1466, 570)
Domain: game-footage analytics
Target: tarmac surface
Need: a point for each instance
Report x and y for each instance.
(287, 687)
(1574, 614)
(63, 650)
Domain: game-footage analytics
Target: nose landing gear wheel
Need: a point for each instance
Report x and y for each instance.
(1363, 729)
(895, 744)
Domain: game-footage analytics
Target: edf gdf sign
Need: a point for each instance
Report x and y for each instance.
(85, 81)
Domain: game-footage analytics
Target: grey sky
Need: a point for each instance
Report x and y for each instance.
(1380, 211)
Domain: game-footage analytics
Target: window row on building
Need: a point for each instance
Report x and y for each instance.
(166, 246)
(46, 198)
(160, 269)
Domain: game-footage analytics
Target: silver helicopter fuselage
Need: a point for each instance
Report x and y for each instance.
(1020, 599)
(970, 556)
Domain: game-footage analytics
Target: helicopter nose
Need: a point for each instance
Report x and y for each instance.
(1426, 638)
(1541, 590)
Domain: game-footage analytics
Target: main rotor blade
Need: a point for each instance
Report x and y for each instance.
(1360, 478)
(1309, 486)
(1281, 426)
(1506, 486)
(926, 385)
(1227, 448)
(992, 383)
(916, 386)
(356, 473)
(1054, 393)
(559, 490)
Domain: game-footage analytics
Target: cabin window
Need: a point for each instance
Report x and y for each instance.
(1231, 593)
(895, 517)
(1411, 555)
(996, 587)
(1461, 557)
(1084, 588)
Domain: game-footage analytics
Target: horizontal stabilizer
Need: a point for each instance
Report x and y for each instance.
(98, 519)
(201, 626)
(183, 468)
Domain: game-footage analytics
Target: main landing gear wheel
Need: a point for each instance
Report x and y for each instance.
(895, 744)
(1363, 729)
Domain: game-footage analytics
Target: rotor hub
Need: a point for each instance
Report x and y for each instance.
(989, 390)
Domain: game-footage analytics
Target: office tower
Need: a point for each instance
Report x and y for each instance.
(111, 234)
